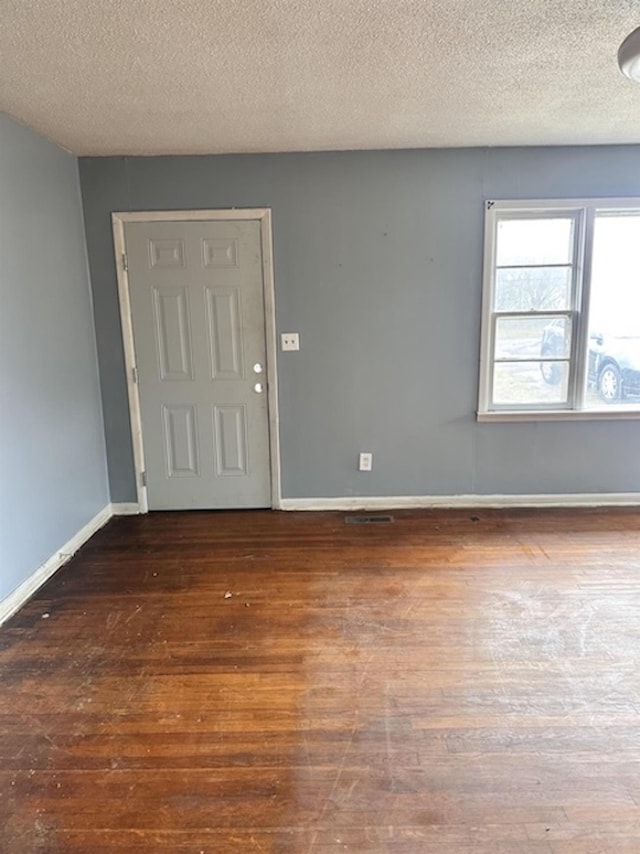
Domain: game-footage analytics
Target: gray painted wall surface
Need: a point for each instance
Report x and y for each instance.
(378, 266)
(52, 456)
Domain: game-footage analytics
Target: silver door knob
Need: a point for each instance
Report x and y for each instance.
(257, 368)
(258, 388)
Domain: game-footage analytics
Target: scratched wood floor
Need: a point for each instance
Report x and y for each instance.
(452, 682)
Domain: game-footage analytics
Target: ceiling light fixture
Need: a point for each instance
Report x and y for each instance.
(629, 56)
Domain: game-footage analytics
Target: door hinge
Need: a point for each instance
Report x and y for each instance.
(134, 374)
(143, 478)
(125, 263)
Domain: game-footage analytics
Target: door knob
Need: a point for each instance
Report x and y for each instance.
(258, 388)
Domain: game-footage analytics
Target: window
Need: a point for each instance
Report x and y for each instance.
(561, 310)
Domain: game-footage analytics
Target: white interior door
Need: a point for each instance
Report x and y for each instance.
(197, 308)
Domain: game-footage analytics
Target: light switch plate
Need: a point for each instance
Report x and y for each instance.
(290, 341)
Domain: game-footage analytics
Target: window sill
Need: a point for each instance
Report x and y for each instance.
(609, 414)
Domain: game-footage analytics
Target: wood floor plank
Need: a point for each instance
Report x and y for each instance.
(287, 683)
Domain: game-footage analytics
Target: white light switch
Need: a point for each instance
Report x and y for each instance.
(290, 341)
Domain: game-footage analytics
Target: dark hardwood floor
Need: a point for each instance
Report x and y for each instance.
(288, 683)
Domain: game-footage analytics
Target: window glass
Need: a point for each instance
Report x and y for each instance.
(526, 242)
(614, 316)
(532, 337)
(520, 384)
(532, 288)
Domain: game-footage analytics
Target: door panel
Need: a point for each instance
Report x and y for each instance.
(180, 441)
(230, 439)
(173, 335)
(225, 333)
(197, 305)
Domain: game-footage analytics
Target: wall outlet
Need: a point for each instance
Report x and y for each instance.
(290, 340)
(365, 462)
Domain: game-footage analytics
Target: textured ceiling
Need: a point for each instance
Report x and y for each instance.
(208, 76)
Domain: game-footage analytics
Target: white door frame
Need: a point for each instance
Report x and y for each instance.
(263, 215)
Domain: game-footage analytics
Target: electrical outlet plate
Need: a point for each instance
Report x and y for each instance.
(290, 341)
(365, 461)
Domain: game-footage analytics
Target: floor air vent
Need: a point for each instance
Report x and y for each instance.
(367, 520)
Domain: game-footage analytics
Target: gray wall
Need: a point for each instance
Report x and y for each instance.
(378, 264)
(52, 456)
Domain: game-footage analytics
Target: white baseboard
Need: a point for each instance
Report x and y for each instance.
(125, 509)
(14, 601)
(408, 502)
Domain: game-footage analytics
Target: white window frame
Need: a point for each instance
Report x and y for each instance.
(583, 211)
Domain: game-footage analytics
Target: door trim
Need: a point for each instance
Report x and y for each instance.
(263, 215)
